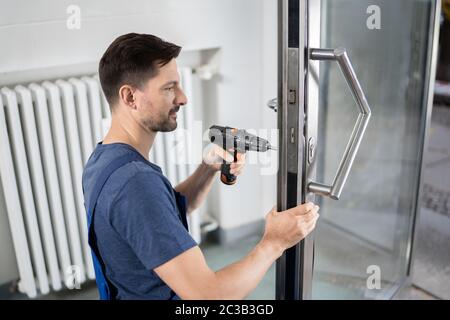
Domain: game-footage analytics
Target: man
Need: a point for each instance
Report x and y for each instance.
(137, 221)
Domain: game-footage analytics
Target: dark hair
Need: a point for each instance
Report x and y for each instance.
(133, 59)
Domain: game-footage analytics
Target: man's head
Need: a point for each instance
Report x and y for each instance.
(139, 76)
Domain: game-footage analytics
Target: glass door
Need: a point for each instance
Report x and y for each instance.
(354, 102)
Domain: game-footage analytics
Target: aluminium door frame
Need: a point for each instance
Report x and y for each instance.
(291, 269)
(430, 76)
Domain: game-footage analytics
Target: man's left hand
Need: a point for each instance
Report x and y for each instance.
(213, 158)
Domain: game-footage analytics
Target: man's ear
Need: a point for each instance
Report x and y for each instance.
(126, 95)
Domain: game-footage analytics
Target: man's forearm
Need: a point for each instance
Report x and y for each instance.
(237, 280)
(196, 187)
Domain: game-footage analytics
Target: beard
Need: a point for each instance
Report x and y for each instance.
(164, 123)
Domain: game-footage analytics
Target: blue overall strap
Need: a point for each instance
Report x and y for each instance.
(105, 288)
(182, 208)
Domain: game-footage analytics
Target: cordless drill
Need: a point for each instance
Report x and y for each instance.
(240, 141)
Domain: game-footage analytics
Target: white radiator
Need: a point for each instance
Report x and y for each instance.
(47, 132)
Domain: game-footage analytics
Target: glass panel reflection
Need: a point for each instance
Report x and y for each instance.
(368, 229)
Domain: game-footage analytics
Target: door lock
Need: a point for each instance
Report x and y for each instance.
(292, 97)
(311, 150)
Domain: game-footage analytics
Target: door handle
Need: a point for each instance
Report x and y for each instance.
(340, 56)
(273, 104)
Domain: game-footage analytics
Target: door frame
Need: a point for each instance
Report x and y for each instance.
(294, 267)
(430, 76)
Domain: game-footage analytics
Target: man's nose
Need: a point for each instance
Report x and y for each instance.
(181, 98)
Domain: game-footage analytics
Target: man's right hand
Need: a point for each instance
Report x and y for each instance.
(191, 278)
(286, 228)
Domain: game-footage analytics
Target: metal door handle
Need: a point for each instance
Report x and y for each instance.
(273, 104)
(340, 56)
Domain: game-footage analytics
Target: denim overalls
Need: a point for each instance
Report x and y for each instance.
(106, 289)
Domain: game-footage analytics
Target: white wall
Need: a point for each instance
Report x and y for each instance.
(36, 43)
(249, 81)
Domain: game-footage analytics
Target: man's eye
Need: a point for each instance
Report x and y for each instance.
(170, 88)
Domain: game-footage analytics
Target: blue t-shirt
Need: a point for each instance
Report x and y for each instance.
(137, 224)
